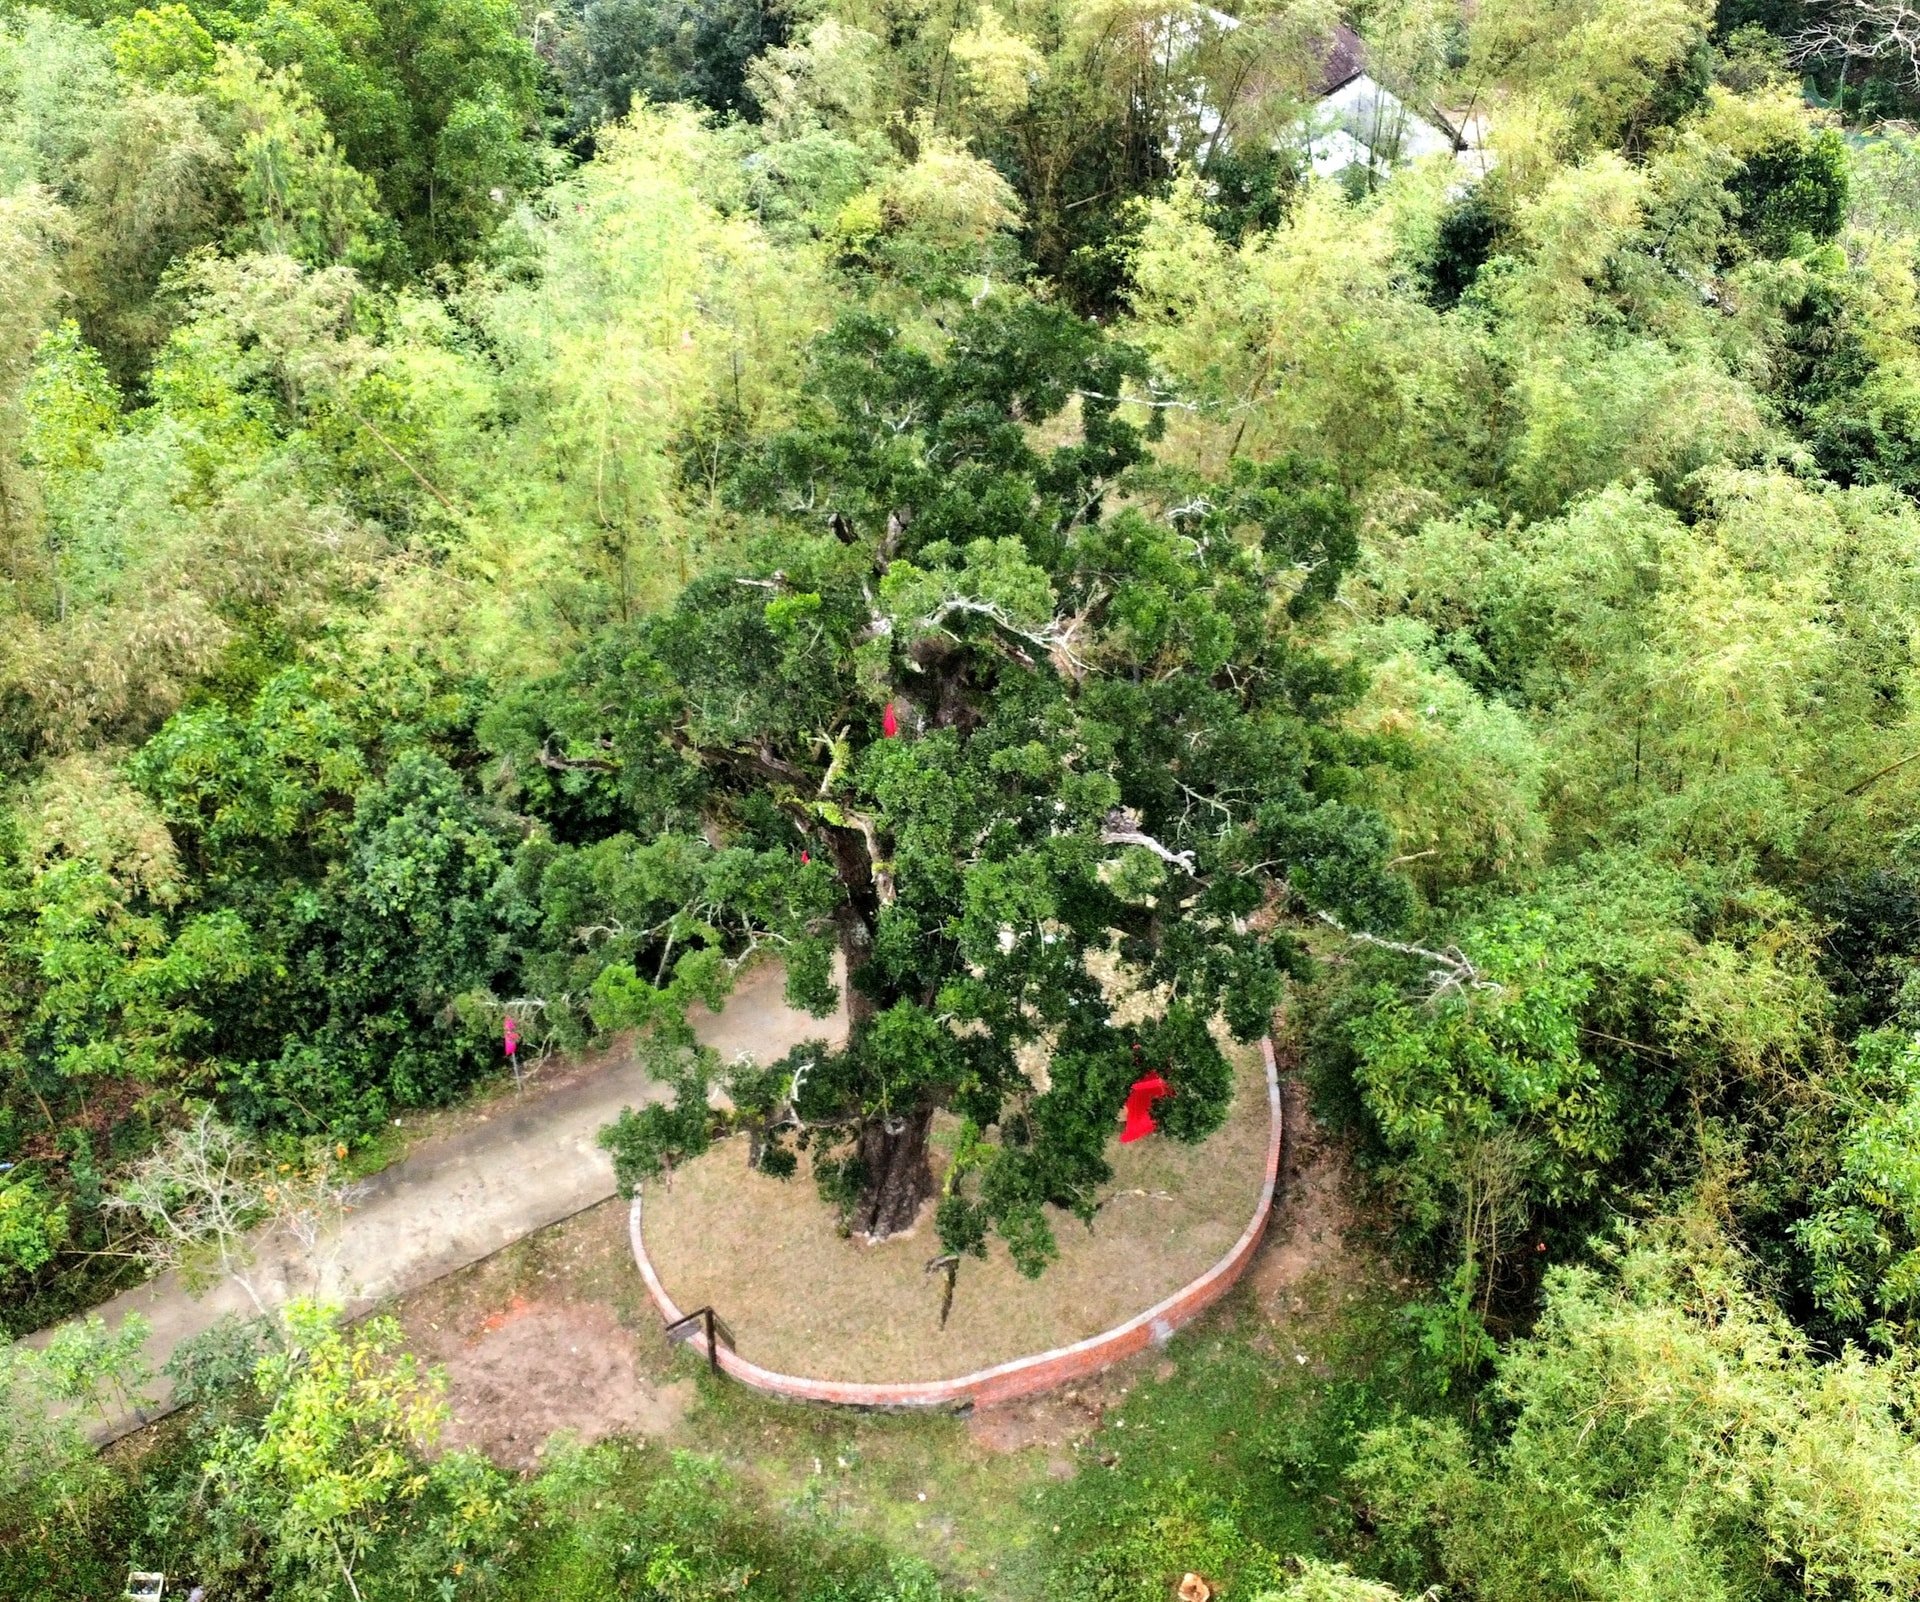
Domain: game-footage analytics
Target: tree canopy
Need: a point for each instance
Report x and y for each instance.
(1020, 514)
(977, 709)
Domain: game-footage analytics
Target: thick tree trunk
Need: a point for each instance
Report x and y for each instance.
(892, 1149)
(899, 1175)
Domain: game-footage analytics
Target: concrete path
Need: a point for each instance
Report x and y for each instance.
(530, 1162)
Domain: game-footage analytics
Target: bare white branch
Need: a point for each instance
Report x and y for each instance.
(1452, 970)
(1886, 31)
(205, 1200)
(1122, 827)
(1056, 638)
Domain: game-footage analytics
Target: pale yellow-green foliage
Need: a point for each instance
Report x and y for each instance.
(165, 45)
(1466, 807)
(828, 78)
(998, 65)
(81, 807)
(1261, 77)
(1756, 999)
(156, 579)
(1596, 411)
(949, 199)
(1885, 194)
(58, 92)
(1298, 341)
(1310, 340)
(33, 227)
(1330, 1582)
(1123, 31)
(1675, 1438)
(349, 1416)
(157, 164)
(1593, 404)
(1409, 42)
(138, 169)
(300, 196)
(1874, 270)
(1770, 651)
(1593, 64)
(1688, 205)
(1571, 228)
(1711, 688)
(653, 315)
(148, 191)
(157, 538)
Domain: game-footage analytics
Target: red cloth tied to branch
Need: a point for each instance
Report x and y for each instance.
(1141, 1096)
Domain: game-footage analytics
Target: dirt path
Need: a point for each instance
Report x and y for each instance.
(523, 1165)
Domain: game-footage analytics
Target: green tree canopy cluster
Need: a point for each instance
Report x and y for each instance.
(521, 515)
(308, 1468)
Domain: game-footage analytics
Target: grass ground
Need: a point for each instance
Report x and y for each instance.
(803, 1299)
(1219, 1453)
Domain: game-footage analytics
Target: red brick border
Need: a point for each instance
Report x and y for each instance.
(1023, 1376)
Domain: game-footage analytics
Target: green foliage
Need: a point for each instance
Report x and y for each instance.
(1794, 193)
(1494, 1053)
(1331, 1582)
(1232, 1459)
(406, 924)
(1862, 1238)
(432, 103)
(622, 50)
(969, 590)
(1647, 1390)
(1169, 1527)
(1464, 241)
(300, 1474)
(165, 46)
(334, 1457)
(51, 1480)
(649, 1142)
(1562, 1055)
(679, 1533)
(33, 1227)
(299, 198)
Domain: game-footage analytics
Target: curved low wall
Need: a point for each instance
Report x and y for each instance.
(1023, 1376)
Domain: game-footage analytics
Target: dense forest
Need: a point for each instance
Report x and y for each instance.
(520, 513)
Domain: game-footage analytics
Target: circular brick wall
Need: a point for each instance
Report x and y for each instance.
(1023, 1376)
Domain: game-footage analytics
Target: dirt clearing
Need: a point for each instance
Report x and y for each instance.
(537, 1339)
(538, 1367)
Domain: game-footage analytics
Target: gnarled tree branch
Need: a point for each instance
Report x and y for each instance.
(1452, 970)
(1122, 827)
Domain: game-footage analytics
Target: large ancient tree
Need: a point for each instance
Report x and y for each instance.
(991, 696)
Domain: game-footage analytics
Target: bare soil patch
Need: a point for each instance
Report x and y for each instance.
(1313, 1215)
(538, 1367)
(801, 1299)
(1057, 1421)
(544, 1337)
